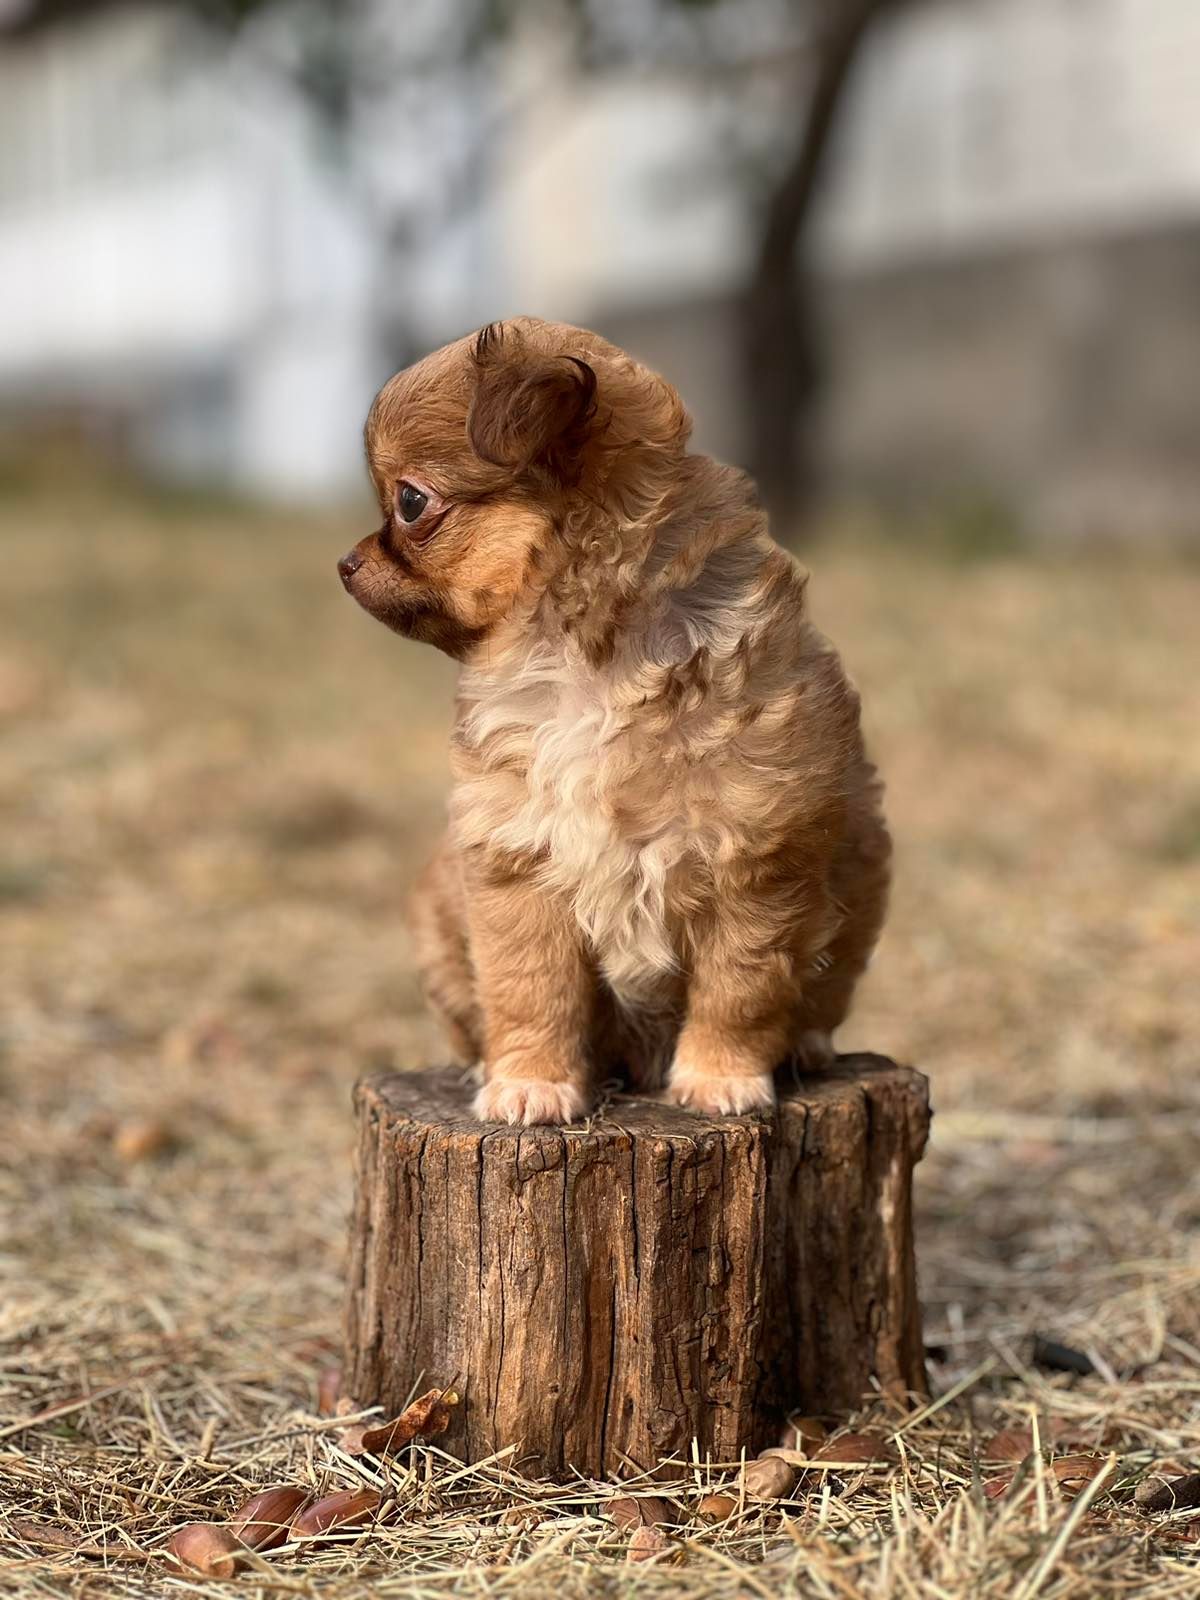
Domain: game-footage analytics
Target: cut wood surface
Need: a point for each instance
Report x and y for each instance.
(600, 1295)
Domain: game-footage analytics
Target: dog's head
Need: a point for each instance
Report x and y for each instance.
(491, 457)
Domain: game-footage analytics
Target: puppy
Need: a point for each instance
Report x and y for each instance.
(666, 854)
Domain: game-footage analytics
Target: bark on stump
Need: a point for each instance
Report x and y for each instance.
(602, 1294)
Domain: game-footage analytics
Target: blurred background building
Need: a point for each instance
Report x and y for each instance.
(209, 261)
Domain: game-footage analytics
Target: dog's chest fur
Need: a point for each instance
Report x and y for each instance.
(566, 771)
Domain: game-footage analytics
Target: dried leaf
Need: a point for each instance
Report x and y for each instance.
(140, 1140)
(206, 1039)
(1010, 1444)
(1074, 1473)
(425, 1418)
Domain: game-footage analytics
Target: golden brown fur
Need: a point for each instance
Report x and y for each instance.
(665, 852)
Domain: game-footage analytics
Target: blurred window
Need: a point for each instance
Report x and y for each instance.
(100, 101)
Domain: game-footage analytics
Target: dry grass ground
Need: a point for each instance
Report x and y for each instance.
(216, 780)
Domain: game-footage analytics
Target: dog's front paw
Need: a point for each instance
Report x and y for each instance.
(720, 1094)
(523, 1101)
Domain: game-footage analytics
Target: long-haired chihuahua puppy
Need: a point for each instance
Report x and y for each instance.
(666, 854)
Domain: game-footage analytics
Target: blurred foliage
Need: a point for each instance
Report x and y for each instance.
(1179, 839)
(343, 54)
(773, 74)
(971, 526)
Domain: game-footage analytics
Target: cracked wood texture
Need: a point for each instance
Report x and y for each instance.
(604, 1293)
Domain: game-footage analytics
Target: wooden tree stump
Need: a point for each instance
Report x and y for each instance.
(602, 1294)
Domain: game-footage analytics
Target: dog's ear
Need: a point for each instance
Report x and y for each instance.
(529, 409)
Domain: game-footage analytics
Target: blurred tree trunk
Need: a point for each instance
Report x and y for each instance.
(780, 344)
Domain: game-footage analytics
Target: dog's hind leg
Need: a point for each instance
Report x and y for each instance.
(437, 917)
(633, 1042)
(861, 875)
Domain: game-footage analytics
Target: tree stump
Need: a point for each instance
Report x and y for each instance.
(603, 1294)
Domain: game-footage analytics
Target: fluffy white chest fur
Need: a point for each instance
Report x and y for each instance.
(565, 774)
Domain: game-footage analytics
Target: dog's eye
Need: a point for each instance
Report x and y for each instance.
(411, 502)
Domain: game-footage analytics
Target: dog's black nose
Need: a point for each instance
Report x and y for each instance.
(348, 566)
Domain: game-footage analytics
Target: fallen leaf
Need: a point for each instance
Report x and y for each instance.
(426, 1417)
(140, 1140)
(1010, 1444)
(205, 1039)
(1074, 1473)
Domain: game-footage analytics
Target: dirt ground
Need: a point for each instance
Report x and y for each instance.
(216, 780)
